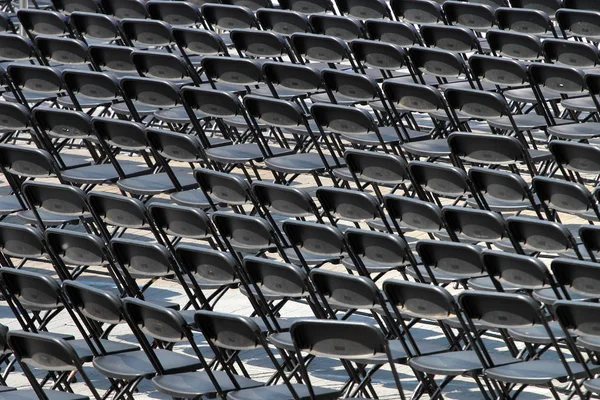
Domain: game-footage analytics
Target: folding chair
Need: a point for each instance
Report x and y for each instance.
(284, 22)
(113, 60)
(515, 45)
(393, 32)
(63, 53)
(16, 48)
(576, 160)
(532, 21)
(338, 26)
(44, 22)
(363, 11)
(227, 333)
(70, 6)
(308, 7)
(176, 14)
(50, 354)
(262, 46)
(409, 214)
(95, 28)
(501, 311)
(427, 302)
(418, 11)
(382, 60)
(125, 9)
(227, 17)
(472, 15)
(147, 33)
(571, 53)
(575, 280)
(349, 342)
(547, 6)
(452, 38)
(568, 197)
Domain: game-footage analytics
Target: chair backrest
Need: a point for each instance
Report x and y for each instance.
(451, 38)
(26, 161)
(232, 70)
(338, 26)
(500, 310)
(516, 270)
(62, 123)
(393, 32)
(379, 249)
(338, 339)
(577, 157)
(318, 239)
(442, 180)
(92, 26)
(211, 265)
(158, 322)
(418, 11)
(43, 352)
(146, 32)
(62, 51)
(438, 63)
(72, 6)
(180, 221)
(199, 42)
(228, 331)
(376, 9)
(379, 55)
(276, 277)
(253, 43)
(520, 46)
(571, 53)
(112, 59)
(590, 237)
(284, 22)
(223, 187)
(57, 198)
(308, 6)
(142, 258)
(558, 79)
(477, 225)
(348, 205)
(563, 196)
(375, 167)
(17, 48)
(284, 200)
(457, 260)
(579, 318)
(244, 233)
(227, 17)
(98, 305)
(500, 71)
(175, 13)
(118, 210)
(43, 80)
(292, 77)
(578, 277)
(99, 86)
(542, 236)
(479, 17)
(487, 149)
(320, 48)
(420, 300)
(125, 9)
(175, 146)
(33, 291)
(414, 213)
(524, 20)
(163, 66)
(76, 248)
(21, 241)
(547, 6)
(43, 22)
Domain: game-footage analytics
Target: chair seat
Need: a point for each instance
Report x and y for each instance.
(101, 173)
(51, 218)
(486, 283)
(142, 109)
(455, 363)
(135, 364)
(9, 204)
(548, 297)
(84, 102)
(241, 153)
(175, 115)
(526, 95)
(300, 163)
(440, 276)
(30, 96)
(281, 392)
(373, 266)
(593, 385)
(524, 122)
(575, 131)
(148, 185)
(538, 334)
(110, 347)
(583, 104)
(28, 394)
(197, 383)
(536, 372)
(310, 258)
(190, 198)
(503, 206)
(428, 148)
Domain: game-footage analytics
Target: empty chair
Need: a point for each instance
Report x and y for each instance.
(175, 13)
(52, 354)
(71, 6)
(284, 22)
(418, 11)
(114, 60)
(519, 46)
(338, 26)
(308, 7)
(63, 53)
(43, 22)
(568, 197)
(375, 9)
(94, 28)
(478, 17)
(121, 9)
(228, 17)
(530, 21)
(145, 34)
